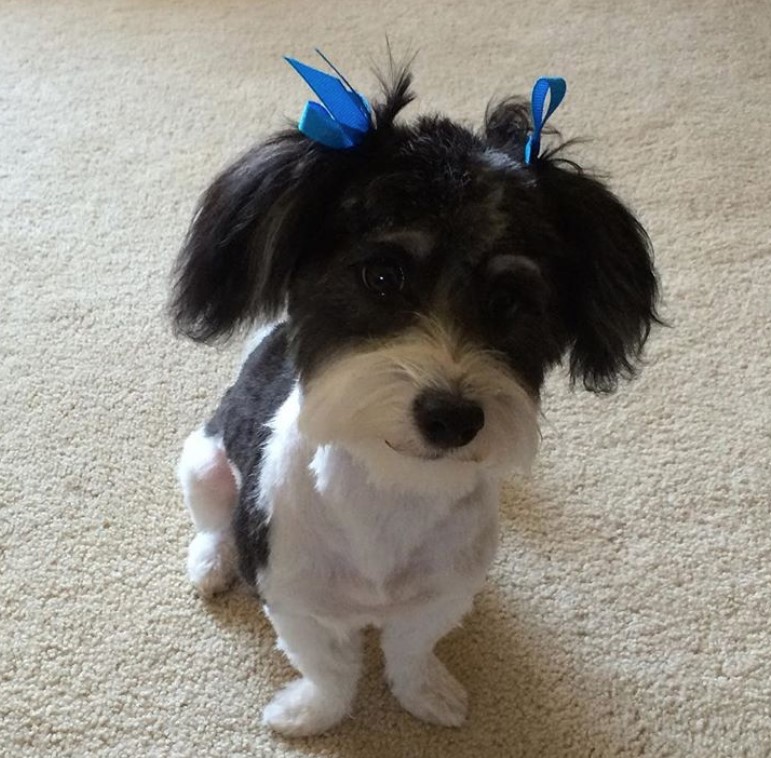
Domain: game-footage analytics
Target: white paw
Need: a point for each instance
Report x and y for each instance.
(302, 709)
(431, 693)
(211, 562)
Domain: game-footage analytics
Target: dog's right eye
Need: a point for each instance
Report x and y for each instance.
(382, 277)
(504, 305)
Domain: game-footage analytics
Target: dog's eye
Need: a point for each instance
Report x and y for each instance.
(504, 305)
(383, 277)
(516, 291)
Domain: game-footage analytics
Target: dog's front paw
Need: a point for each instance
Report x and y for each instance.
(431, 693)
(211, 563)
(302, 709)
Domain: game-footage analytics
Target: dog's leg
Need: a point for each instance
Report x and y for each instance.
(418, 679)
(210, 491)
(329, 659)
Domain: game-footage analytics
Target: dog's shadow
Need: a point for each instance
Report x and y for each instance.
(524, 701)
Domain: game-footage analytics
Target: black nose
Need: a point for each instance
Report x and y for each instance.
(446, 420)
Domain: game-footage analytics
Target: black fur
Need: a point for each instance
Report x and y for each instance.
(251, 227)
(606, 281)
(507, 124)
(265, 381)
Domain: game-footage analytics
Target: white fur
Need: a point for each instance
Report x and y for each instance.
(418, 678)
(258, 334)
(209, 492)
(347, 553)
(363, 399)
(349, 550)
(499, 160)
(364, 528)
(329, 657)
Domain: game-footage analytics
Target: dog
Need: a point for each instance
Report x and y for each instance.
(412, 294)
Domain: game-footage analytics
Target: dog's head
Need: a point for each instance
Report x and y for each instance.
(431, 278)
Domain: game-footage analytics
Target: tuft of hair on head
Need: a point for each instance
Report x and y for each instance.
(507, 126)
(507, 123)
(396, 86)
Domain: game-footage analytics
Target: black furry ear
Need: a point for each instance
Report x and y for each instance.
(608, 284)
(258, 218)
(247, 234)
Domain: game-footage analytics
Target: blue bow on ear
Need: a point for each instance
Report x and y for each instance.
(343, 117)
(555, 87)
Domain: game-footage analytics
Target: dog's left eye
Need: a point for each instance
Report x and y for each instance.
(383, 277)
(503, 304)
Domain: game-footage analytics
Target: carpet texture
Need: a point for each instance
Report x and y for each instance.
(628, 610)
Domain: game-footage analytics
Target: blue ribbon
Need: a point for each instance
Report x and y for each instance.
(556, 87)
(342, 118)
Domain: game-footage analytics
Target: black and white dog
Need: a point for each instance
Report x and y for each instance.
(420, 286)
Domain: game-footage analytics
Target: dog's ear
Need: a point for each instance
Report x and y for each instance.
(604, 272)
(261, 216)
(248, 233)
(603, 267)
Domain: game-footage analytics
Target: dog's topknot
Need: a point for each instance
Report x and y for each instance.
(396, 85)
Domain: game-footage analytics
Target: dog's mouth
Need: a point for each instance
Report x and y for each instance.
(420, 455)
(428, 456)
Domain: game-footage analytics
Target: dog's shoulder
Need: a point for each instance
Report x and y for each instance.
(264, 382)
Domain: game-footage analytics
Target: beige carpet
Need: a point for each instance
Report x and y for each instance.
(628, 611)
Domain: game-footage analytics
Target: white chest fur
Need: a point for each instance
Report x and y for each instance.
(342, 547)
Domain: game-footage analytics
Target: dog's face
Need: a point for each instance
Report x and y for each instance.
(427, 325)
(431, 280)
